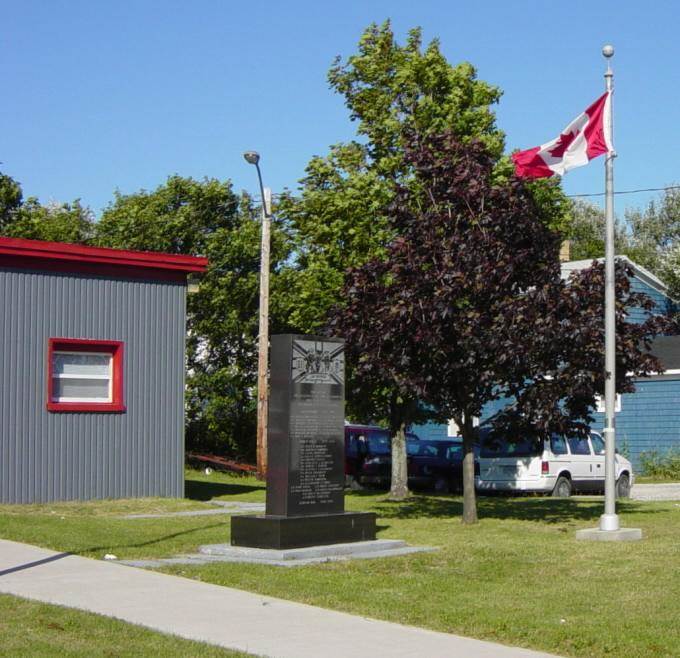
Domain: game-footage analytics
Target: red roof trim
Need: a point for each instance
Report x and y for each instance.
(75, 253)
(92, 269)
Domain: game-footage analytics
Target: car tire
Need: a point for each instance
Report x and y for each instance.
(623, 487)
(562, 487)
(441, 485)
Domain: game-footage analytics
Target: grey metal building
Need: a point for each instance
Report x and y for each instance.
(92, 369)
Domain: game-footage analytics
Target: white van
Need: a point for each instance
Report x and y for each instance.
(559, 466)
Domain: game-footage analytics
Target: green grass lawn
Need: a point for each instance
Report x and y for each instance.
(29, 628)
(96, 528)
(518, 577)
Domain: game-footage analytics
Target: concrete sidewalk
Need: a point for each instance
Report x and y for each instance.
(227, 617)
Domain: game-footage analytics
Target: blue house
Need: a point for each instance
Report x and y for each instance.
(646, 420)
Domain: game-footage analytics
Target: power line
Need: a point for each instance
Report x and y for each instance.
(257, 198)
(645, 189)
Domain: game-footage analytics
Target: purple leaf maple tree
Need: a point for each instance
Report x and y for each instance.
(467, 306)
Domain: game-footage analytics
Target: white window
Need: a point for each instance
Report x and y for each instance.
(82, 376)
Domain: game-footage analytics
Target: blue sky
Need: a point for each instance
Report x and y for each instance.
(98, 96)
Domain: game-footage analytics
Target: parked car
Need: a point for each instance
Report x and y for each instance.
(432, 464)
(362, 443)
(368, 455)
(436, 465)
(560, 465)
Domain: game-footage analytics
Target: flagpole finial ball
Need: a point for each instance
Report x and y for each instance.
(608, 51)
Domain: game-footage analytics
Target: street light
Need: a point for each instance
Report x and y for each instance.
(253, 157)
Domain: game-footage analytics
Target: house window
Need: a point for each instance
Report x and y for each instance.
(84, 375)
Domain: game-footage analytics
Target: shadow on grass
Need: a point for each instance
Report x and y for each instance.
(545, 510)
(149, 542)
(197, 490)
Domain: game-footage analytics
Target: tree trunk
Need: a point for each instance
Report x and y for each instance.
(469, 497)
(399, 487)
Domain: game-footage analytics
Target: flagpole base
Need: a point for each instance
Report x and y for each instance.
(622, 534)
(609, 522)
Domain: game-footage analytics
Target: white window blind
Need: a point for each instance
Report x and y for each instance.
(81, 376)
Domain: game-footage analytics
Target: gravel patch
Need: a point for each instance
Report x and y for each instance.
(669, 491)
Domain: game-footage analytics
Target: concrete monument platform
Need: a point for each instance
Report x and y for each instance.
(292, 557)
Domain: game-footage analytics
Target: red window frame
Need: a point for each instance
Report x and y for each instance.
(112, 347)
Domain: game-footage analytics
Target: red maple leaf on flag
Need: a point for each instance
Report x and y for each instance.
(562, 145)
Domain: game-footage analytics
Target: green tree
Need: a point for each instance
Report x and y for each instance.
(55, 222)
(180, 216)
(655, 234)
(669, 270)
(585, 231)
(339, 218)
(206, 218)
(470, 307)
(650, 237)
(11, 198)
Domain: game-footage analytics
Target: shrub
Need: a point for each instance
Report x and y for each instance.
(665, 466)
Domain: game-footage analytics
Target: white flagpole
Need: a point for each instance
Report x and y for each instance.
(609, 520)
(609, 528)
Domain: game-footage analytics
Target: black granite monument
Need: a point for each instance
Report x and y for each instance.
(305, 452)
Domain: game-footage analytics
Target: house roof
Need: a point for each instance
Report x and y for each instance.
(641, 273)
(42, 255)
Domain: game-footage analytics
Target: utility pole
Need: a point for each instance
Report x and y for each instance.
(252, 157)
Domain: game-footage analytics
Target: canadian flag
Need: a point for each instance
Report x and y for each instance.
(586, 137)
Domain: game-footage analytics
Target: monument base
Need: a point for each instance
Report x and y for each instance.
(281, 532)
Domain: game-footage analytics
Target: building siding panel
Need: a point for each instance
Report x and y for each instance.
(48, 456)
(649, 419)
(662, 304)
(431, 431)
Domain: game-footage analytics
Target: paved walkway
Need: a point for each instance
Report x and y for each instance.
(227, 617)
(669, 491)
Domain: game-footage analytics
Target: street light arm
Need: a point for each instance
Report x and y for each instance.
(266, 211)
